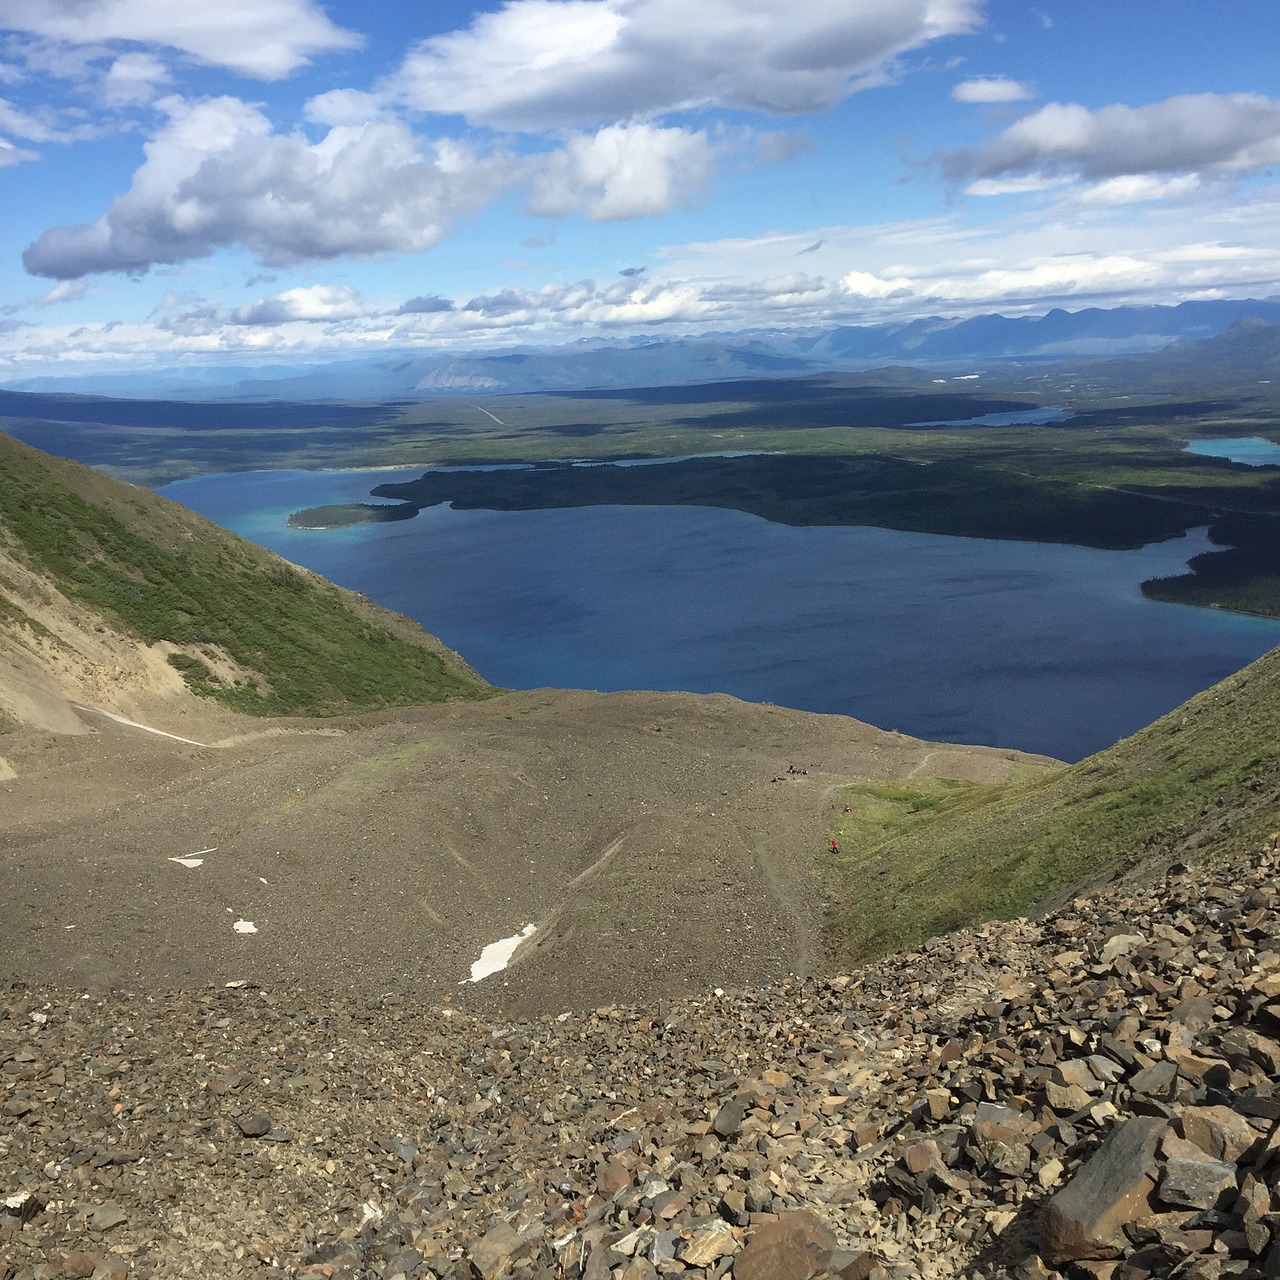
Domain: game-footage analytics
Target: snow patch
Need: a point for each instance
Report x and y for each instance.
(193, 860)
(496, 956)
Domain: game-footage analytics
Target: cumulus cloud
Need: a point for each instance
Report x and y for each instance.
(217, 174)
(345, 106)
(535, 65)
(525, 304)
(317, 304)
(314, 303)
(992, 89)
(262, 38)
(866, 284)
(1203, 132)
(428, 304)
(133, 79)
(624, 171)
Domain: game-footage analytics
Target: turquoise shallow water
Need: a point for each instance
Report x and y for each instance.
(1042, 647)
(1253, 451)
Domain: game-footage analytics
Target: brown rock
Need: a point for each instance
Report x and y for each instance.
(1217, 1131)
(795, 1247)
(492, 1250)
(77, 1266)
(863, 1267)
(611, 1177)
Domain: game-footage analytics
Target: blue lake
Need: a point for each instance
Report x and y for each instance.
(1253, 451)
(1043, 647)
(1016, 418)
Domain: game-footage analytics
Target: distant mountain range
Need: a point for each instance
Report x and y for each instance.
(937, 342)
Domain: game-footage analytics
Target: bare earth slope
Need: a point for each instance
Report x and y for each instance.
(643, 834)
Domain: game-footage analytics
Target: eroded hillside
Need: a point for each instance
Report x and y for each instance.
(103, 585)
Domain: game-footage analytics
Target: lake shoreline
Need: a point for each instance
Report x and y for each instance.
(1043, 647)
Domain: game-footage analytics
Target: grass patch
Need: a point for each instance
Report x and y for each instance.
(171, 576)
(1201, 783)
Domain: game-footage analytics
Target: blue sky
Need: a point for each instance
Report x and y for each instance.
(270, 180)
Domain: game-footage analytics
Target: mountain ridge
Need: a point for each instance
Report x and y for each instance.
(935, 341)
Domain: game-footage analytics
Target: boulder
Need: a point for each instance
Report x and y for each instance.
(1115, 1186)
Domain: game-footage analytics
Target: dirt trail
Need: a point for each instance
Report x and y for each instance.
(133, 724)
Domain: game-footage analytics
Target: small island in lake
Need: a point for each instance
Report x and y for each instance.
(342, 515)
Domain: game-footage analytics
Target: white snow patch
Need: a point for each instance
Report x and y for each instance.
(496, 956)
(245, 926)
(193, 860)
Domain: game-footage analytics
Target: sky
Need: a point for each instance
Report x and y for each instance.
(269, 181)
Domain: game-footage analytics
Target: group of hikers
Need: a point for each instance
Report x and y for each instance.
(796, 772)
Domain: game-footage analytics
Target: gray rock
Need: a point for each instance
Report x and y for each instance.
(1116, 1186)
(107, 1216)
(1196, 1184)
(730, 1117)
(256, 1125)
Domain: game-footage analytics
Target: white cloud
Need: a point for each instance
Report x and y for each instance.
(133, 79)
(1135, 188)
(866, 284)
(43, 125)
(11, 155)
(1194, 133)
(565, 64)
(345, 106)
(313, 303)
(65, 291)
(992, 89)
(218, 175)
(1012, 186)
(624, 171)
(318, 304)
(1085, 274)
(263, 38)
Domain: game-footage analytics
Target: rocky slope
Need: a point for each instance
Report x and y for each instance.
(1090, 1095)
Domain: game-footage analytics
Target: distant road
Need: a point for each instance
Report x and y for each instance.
(494, 416)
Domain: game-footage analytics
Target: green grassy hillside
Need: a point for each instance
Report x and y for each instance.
(161, 573)
(1201, 782)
